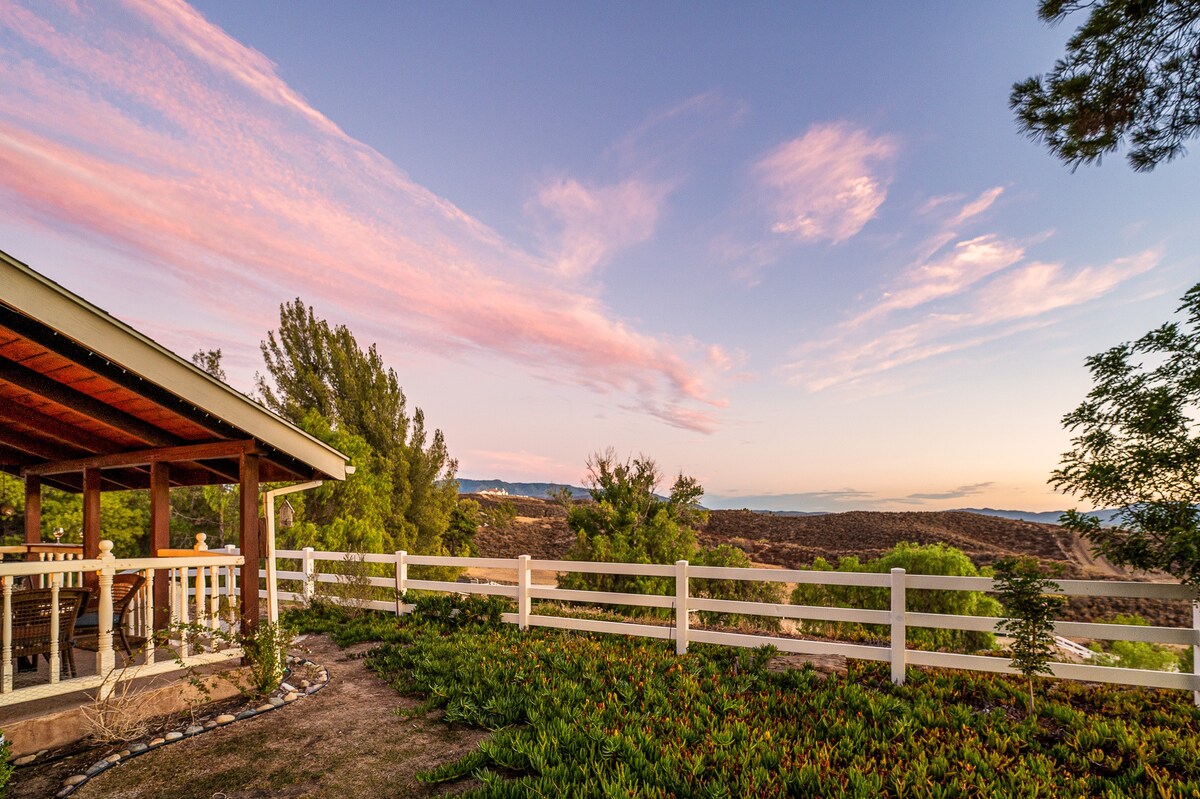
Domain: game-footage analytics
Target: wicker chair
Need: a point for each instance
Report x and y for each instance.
(31, 616)
(124, 590)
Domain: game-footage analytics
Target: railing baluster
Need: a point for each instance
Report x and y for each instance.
(147, 619)
(55, 655)
(105, 660)
(6, 681)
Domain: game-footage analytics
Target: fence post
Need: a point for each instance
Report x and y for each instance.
(523, 602)
(681, 607)
(1196, 647)
(899, 633)
(105, 662)
(310, 577)
(401, 579)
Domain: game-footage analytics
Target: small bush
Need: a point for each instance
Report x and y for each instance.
(938, 559)
(1134, 654)
(6, 767)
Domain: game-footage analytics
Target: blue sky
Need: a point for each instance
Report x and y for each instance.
(798, 251)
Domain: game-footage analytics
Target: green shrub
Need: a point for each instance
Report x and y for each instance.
(1025, 589)
(1134, 654)
(6, 767)
(740, 590)
(938, 559)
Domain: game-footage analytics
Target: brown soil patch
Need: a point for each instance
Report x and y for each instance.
(344, 741)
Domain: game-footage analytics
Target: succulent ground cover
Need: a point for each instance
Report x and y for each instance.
(582, 715)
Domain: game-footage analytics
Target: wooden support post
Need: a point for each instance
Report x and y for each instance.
(160, 538)
(899, 628)
(249, 544)
(33, 509)
(681, 607)
(91, 513)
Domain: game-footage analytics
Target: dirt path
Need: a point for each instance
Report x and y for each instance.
(344, 741)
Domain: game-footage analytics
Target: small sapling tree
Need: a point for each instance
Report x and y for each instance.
(1024, 588)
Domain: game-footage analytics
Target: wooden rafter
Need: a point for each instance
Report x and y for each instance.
(188, 452)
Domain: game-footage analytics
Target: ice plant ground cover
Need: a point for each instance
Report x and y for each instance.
(588, 715)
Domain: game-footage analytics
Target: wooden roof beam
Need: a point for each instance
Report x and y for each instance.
(39, 384)
(145, 457)
(16, 413)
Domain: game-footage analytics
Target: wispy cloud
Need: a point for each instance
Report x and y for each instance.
(516, 465)
(959, 293)
(954, 493)
(144, 126)
(585, 226)
(827, 184)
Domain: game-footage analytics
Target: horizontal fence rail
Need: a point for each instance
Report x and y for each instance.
(897, 619)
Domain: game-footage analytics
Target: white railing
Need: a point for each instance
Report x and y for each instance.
(202, 591)
(898, 618)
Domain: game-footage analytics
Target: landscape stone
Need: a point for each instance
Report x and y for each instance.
(195, 728)
(41, 752)
(96, 767)
(286, 687)
(245, 714)
(263, 708)
(24, 761)
(275, 701)
(312, 689)
(157, 742)
(140, 746)
(114, 758)
(291, 697)
(208, 725)
(174, 736)
(75, 780)
(125, 753)
(224, 718)
(65, 792)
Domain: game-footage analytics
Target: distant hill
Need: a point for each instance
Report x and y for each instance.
(1045, 517)
(536, 490)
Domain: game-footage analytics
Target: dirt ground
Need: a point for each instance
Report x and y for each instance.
(344, 741)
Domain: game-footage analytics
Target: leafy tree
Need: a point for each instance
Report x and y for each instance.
(1136, 447)
(1132, 70)
(319, 378)
(914, 559)
(1024, 589)
(627, 522)
(464, 524)
(210, 361)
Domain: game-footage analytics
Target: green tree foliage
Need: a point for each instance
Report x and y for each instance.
(465, 519)
(210, 361)
(1136, 447)
(628, 522)
(403, 492)
(500, 515)
(6, 767)
(1024, 589)
(125, 516)
(914, 559)
(1131, 71)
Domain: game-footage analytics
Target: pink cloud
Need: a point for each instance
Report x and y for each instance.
(589, 224)
(1022, 298)
(827, 184)
(518, 466)
(149, 129)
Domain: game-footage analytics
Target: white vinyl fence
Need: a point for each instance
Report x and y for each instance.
(897, 618)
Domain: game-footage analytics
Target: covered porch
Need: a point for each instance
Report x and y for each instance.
(89, 405)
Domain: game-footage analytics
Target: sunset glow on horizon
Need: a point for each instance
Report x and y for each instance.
(800, 253)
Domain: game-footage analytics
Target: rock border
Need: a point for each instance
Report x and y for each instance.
(285, 695)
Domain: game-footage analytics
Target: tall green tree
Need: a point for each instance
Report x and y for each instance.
(1131, 73)
(627, 522)
(319, 378)
(1136, 448)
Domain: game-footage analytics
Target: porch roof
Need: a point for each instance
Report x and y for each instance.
(78, 388)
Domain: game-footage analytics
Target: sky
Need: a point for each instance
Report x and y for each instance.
(798, 251)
